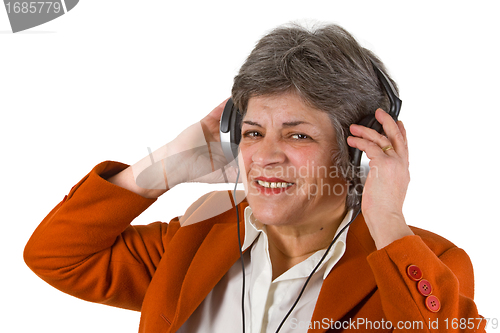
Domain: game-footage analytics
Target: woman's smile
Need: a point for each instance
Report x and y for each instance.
(269, 186)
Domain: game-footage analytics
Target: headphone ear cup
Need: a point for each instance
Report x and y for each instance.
(230, 131)
(370, 122)
(235, 132)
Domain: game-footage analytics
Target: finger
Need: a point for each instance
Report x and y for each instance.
(392, 130)
(217, 112)
(371, 135)
(370, 148)
(403, 132)
(211, 122)
(402, 129)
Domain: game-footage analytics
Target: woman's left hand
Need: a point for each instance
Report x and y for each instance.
(387, 182)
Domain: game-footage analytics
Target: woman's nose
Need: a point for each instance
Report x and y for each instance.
(268, 152)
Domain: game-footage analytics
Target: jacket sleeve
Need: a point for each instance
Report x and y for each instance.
(428, 283)
(86, 246)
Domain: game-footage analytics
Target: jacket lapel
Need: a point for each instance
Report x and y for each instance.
(218, 252)
(350, 281)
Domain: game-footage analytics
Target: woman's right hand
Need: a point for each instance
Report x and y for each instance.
(195, 155)
(203, 159)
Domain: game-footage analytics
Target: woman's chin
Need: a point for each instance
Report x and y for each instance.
(270, 213)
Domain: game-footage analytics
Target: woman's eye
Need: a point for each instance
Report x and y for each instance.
(251, 134)
(299, 136)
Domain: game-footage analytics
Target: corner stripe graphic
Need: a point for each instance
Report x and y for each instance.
(24, 15)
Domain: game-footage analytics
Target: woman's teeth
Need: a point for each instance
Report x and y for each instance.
(274, 184)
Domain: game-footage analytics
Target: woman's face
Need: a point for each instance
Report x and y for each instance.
(286, 150)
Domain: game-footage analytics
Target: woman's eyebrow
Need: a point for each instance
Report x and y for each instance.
(286, 124)
(295, 123)
(252, 123)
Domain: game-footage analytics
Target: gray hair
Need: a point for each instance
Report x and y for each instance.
(327, 68)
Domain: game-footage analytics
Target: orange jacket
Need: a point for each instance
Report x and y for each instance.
(86, 247)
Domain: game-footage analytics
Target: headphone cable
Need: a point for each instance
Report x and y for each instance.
(241, 253)
(317, 266)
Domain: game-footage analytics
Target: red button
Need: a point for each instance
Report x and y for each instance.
(432, 303)
(424, 287)
(414, 272)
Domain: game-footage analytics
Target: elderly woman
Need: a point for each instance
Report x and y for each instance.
(300, 94)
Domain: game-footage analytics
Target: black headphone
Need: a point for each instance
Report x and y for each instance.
(230, 122)
(230, 136)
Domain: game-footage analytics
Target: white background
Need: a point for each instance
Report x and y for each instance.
(111, 78)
